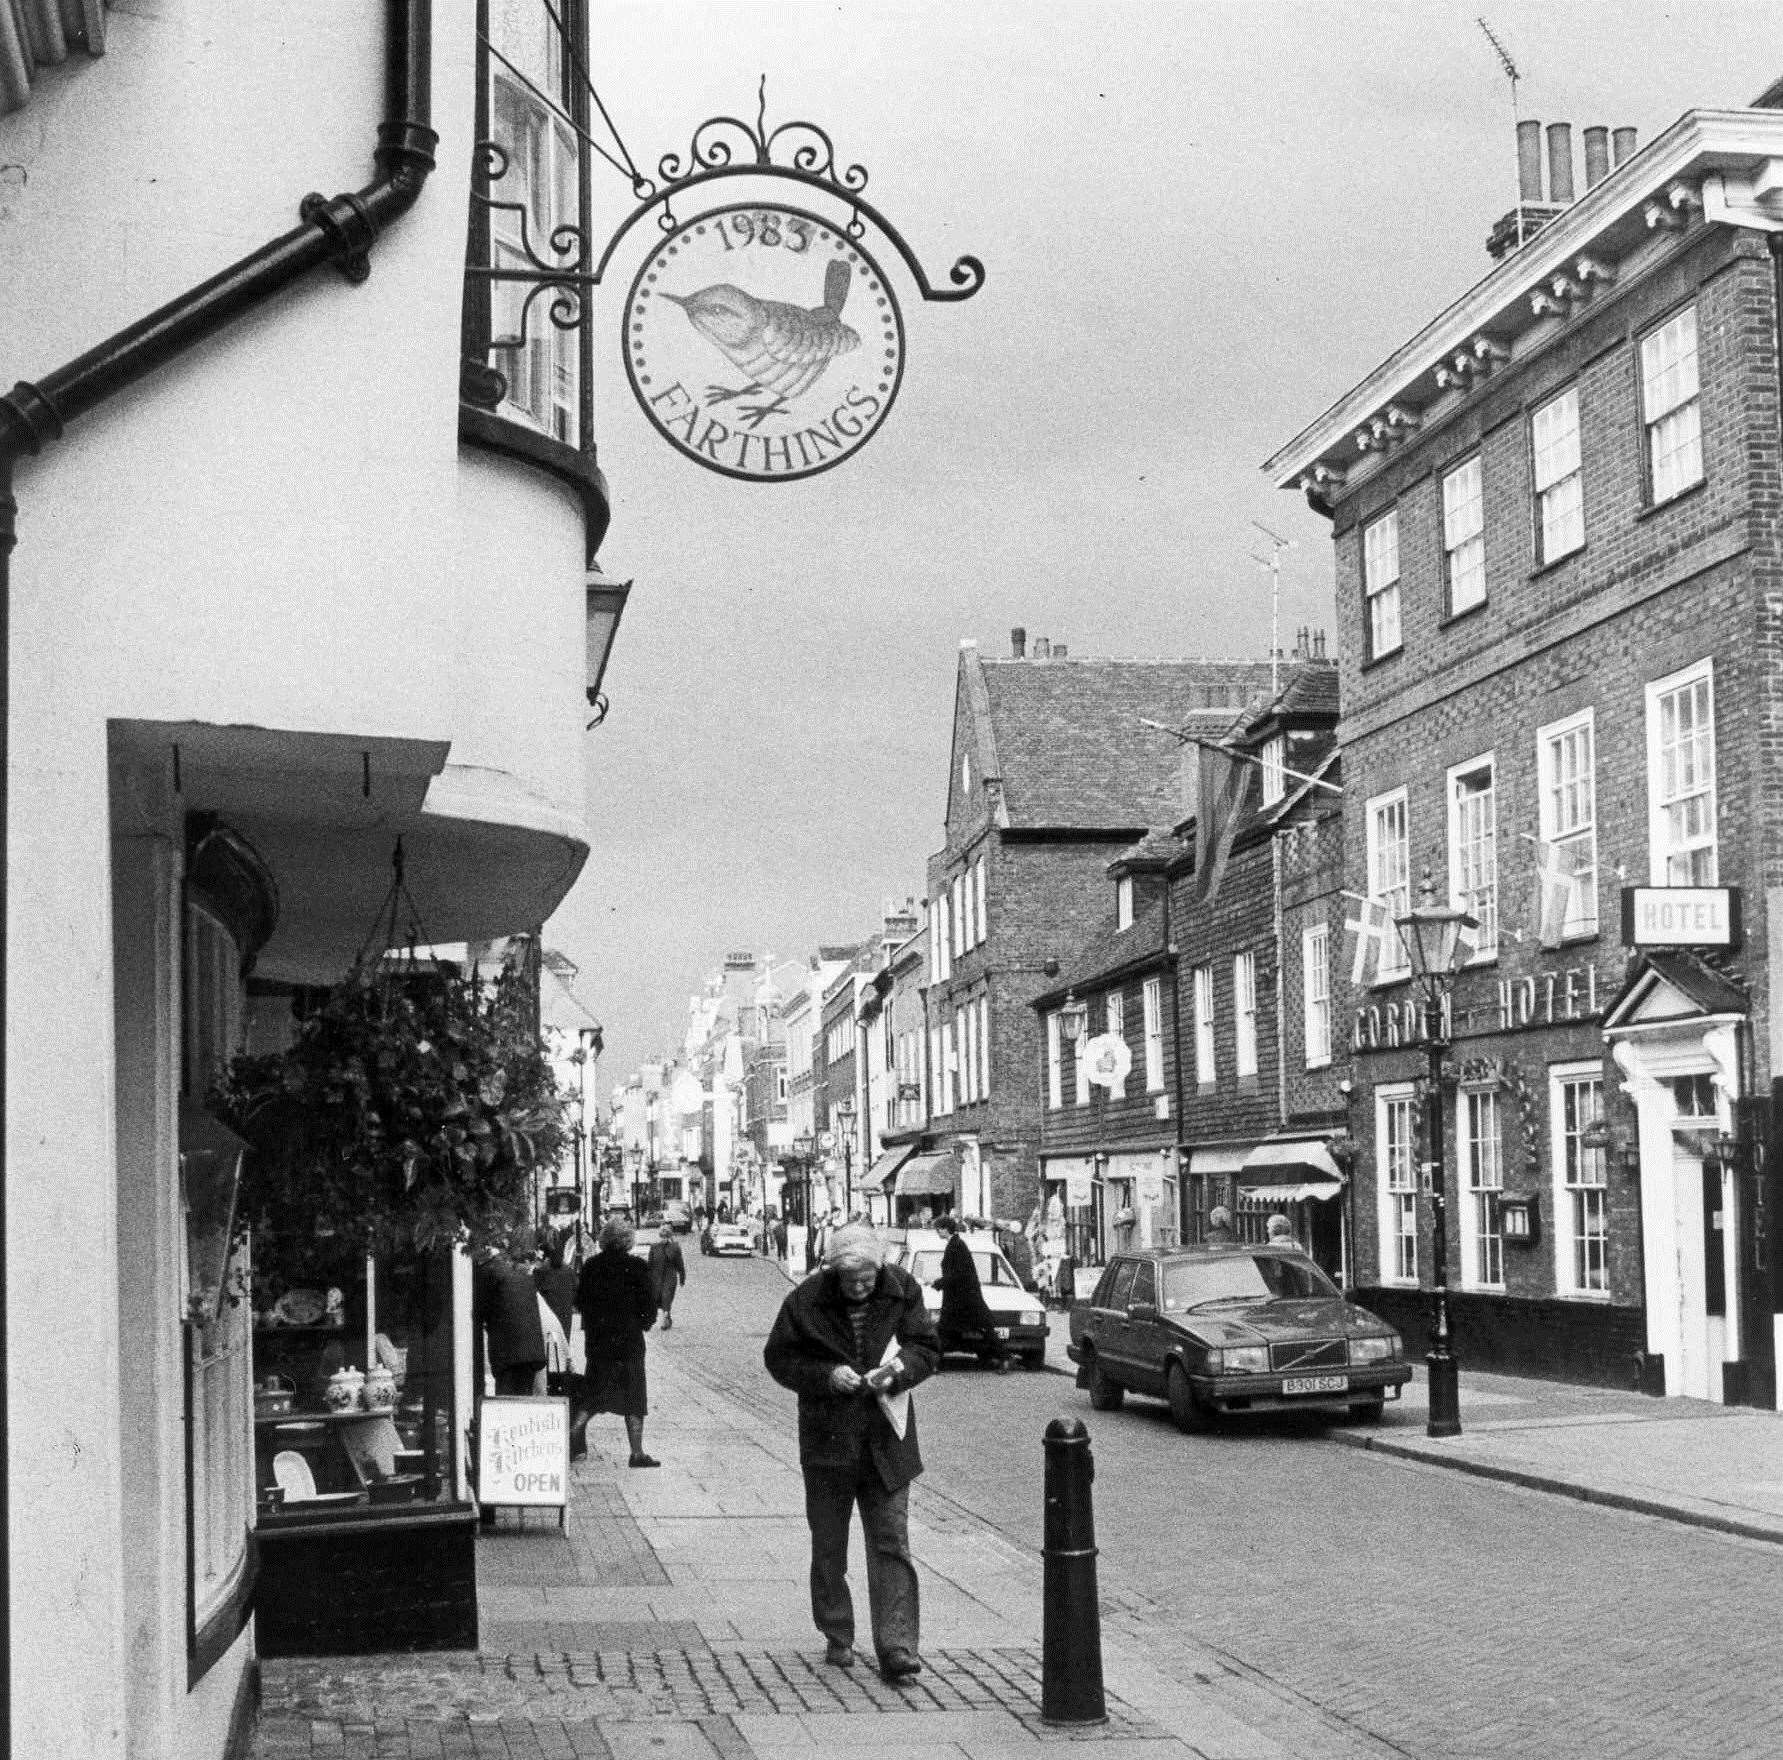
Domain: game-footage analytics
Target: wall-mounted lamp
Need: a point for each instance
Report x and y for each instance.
(1074, 1016)
(606, 604)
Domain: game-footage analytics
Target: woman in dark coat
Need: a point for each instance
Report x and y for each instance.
(965, 1319)
(617, 1303)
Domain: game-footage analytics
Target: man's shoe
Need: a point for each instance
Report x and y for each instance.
(899, 1665)
(839, 1655)
(643, 1460)
(668, 1320)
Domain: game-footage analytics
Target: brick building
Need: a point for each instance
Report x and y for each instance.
(1052, 773)
(1257, 924)
(1555, 513)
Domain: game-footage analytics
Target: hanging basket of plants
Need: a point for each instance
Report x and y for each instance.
(408, 1114)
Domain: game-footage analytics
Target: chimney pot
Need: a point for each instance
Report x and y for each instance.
(1623, 143)
(1042, 648)
(1597, 156)
(1058, 650)
(1018, 643)
(1529, 161)
(1560, 163)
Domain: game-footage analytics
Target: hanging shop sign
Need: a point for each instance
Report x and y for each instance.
(1680, 916)
(1107, 1060)
(763, 342)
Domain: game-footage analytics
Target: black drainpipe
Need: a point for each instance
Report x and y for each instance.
(340, 231)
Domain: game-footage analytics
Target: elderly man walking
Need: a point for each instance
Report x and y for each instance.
(855, 1331)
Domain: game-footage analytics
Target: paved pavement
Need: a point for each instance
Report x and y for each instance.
(669, 1617)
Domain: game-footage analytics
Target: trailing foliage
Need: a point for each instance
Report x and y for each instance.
(408, 1114)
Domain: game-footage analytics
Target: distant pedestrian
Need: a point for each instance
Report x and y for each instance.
(505, 1316)
(966, 1320)
(1219, 1227)
(844, 1338)
(617, 1303)
(1281, 1233)
(779, 1237)
(668, 1271)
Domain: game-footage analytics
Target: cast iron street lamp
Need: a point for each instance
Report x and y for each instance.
(845, 1116)
(1437, 940)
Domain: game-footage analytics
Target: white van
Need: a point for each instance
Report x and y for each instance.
(1018, 1314)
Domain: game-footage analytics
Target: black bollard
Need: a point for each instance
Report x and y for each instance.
(1071, 1641)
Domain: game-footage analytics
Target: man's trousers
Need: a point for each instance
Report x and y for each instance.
(830, 1498)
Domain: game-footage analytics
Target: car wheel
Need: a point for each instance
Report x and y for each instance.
(1190, 1414)
(1034, 1360)
(1105, 1395)
(1368, 1411)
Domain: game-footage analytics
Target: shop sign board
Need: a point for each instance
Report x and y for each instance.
(523, 1451)
(763, 342)
(1680, 916)
(1540, 999)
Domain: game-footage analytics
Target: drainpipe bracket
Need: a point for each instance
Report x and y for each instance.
(349, 226)
(27, 419)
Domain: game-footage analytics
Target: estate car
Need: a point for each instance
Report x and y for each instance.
(1232, 1329)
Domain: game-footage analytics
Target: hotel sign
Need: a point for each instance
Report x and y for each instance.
(1680, 916)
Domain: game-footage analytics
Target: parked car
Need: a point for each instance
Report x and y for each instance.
(677, 1216)
(1018, 1315)
(730, 1237)
(1232, 1329)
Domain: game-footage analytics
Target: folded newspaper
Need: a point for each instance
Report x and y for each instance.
(896, 1406)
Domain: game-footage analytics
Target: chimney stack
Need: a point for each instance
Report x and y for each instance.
(1042, 648)
(1623, 142)
(1560, 163)
(1597, 156)
(1058, 650)
(1018, 643)
(1529, 161)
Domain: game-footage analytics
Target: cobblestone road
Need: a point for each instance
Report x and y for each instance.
(1445, 1617)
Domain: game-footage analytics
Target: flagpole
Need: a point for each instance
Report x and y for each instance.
(1213, 745)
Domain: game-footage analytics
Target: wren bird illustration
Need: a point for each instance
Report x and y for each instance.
(783, 348)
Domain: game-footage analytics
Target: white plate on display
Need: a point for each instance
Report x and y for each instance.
(326, 1497)
(300, 1307)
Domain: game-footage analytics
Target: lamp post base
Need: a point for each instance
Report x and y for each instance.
(1441, 1375)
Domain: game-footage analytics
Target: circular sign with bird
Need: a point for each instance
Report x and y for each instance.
(763, 342)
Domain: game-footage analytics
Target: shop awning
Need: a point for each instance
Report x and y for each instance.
(1269, 1169)
(873, 1180)
(927, 1176)
(1291, 1194)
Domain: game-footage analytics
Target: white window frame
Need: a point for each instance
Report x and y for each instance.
(1464, 535)
(1123, 902)
(1473, 848)
(1396, 1181)
(1206, 1069)
(1479, 1132)
(950, 1068)
(1055, 1063)
(1693, 858)
(984, 1048)
(978, 888)
(962, 926)
(1274, 759)
(1114, 1018)
(1566, 813)
(1152, 1007)
(963, 1024)
(943, 941)
(1315, 985)
(1671, 407)
(1080, 1063)
(1581, 1183)
(1559, 475)
(1244, 1012)
(1380, 585)
(1390, 877)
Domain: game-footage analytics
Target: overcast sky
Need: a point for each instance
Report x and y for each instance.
(1201, 224)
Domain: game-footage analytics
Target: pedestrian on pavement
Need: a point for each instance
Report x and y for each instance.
(555, 1274)
(505, 1318)
(1281, 1233)
(1219, 1227)
(617, 1302)
(965, 1318)
(668, 1271)
(779, 1237)
(854, 1332)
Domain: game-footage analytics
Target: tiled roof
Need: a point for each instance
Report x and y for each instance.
(1156, 849)
(1070, 741)
(1110, 949)
(1310, 692)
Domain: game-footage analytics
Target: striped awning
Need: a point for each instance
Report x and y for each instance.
(873, 1180)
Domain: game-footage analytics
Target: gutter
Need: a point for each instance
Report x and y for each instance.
(340, 231)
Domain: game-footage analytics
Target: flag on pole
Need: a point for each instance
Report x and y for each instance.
(1555, 887)
(1220, 791)
(1371, 928)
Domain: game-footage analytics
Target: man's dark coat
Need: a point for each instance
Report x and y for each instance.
(842, 1432)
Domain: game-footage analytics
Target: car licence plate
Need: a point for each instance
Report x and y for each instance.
(1315, 1384)
(1001, 1331)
